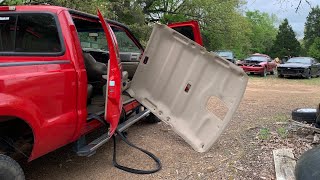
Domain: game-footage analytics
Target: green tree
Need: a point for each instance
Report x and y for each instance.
(286, 43)
(130, 12)
(312, 27)
(167, 11)
(303, 51)
(89, 6)
(314, 50)
(263, 30)
(223, 25)
(12, 2)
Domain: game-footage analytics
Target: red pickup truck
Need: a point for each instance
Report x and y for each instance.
(65, 73)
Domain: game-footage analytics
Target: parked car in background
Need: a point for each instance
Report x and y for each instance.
(306, 67)
(229, 55)
(259, 64)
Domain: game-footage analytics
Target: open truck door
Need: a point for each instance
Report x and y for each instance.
(190, 29)
(113, 104)
(187, 87)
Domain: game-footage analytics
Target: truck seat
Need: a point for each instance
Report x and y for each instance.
(89, 91)
(94, 69)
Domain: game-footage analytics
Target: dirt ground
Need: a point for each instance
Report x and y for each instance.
(244, 151)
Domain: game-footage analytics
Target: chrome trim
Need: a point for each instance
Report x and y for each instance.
(30, 63)
(125, 125)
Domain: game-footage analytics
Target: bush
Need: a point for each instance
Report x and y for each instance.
(314, 50)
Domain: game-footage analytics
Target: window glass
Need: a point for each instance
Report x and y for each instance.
(300, 60)
(7, 27)
(186, 31)
(35, 33)
(225, 54)
(96, 39)
(124, 42)
(257, 58)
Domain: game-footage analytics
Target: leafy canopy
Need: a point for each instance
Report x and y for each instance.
(263, 31)
(312, 27)
(224, 24)
(286, 43)
(314, 50)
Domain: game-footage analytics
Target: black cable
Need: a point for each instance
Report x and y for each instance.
(132, 170)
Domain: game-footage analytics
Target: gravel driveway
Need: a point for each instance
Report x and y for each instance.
(238, 154)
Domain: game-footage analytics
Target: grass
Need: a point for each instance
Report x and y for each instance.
(264, 134)
(281, 118)
(312, 81)
(282, 132)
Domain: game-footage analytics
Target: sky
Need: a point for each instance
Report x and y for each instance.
(285, 9)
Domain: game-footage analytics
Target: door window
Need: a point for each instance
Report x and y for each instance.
(95, 39)
(124, 42)
(185, 30)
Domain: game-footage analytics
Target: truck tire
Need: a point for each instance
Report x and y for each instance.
(308, 165)
(304, 114)
(10, 169)
(152, 119)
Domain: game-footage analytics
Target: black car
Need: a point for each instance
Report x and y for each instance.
(227, 55)
(306, 67)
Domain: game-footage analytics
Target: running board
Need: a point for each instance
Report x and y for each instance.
(90, 149)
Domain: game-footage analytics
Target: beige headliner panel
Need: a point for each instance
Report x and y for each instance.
(176, 62)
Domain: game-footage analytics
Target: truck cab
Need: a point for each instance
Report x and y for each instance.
(65, 73)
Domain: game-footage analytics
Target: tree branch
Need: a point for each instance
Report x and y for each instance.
(170, 12)
(300, 1)
(297, 8)
(148, 4)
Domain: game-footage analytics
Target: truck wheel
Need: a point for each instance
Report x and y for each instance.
(308, 165)
(304, 114)
(152, 119)
(280, 75)
(10, 169)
